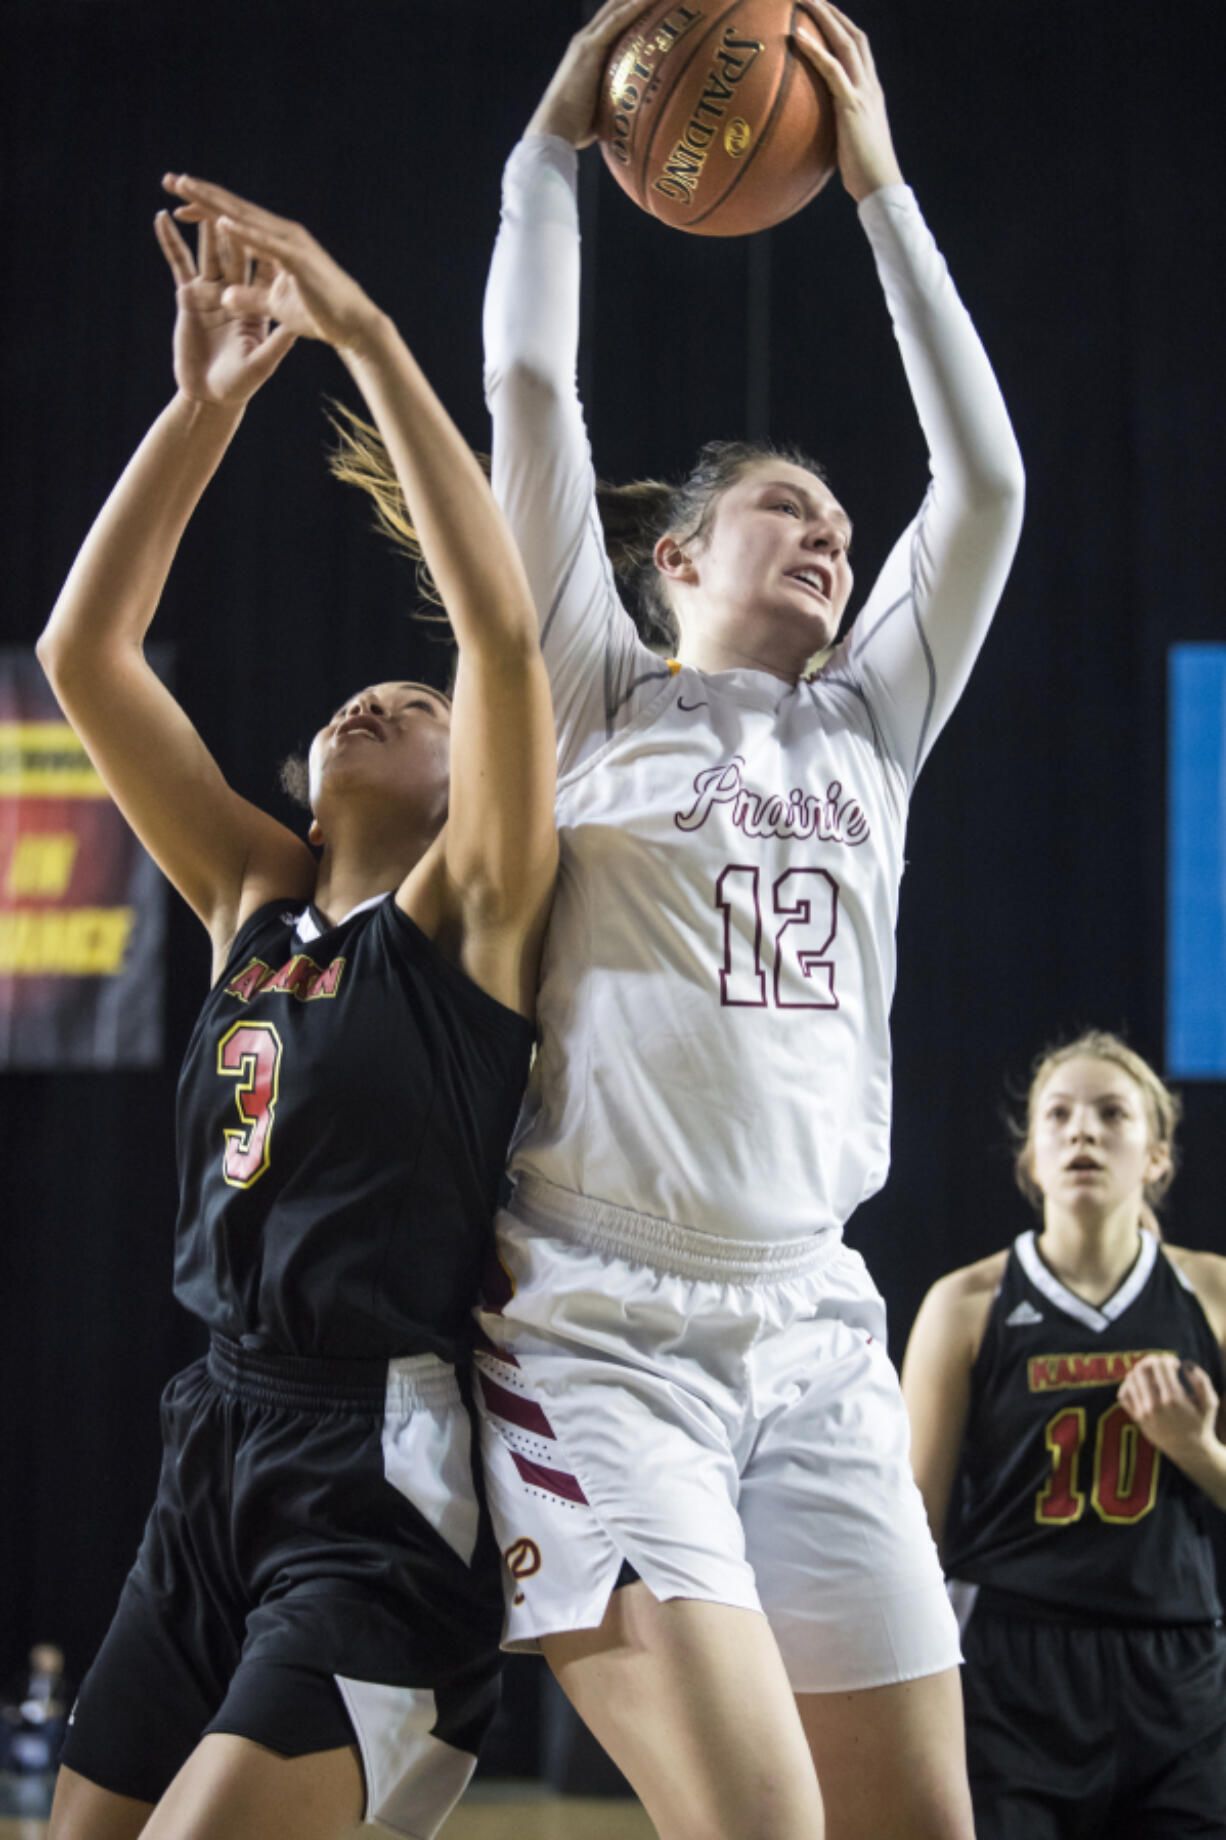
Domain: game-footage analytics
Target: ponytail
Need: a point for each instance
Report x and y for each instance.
(633, 517)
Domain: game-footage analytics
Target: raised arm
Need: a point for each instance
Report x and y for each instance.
(916, 639)
(936, 1379)
(488, 884)
(219, 851)
(542, 469)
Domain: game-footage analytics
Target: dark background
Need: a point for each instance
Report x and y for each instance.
(1071, 162)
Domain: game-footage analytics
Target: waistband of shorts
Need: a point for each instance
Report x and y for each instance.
(662, 1244)
(305, 1384)
(992, 1601)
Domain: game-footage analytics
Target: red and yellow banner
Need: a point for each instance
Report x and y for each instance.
(82, 907)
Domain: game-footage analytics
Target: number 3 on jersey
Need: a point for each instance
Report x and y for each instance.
(250, 1054)
(807, 902)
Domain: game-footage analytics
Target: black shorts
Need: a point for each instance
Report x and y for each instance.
(316, 1572)
(1079, 1732)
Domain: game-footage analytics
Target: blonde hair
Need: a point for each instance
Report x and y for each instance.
(1163, 1107)
(360, 459)
(633, 517)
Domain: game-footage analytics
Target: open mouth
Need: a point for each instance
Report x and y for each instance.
(360, 725)
(813, 579)
(1083, 1165)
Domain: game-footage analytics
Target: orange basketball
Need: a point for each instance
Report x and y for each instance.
(711, 121)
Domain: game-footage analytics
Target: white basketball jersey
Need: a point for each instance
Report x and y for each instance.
(720, 960)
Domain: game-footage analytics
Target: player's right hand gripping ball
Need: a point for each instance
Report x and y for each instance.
(711, 121)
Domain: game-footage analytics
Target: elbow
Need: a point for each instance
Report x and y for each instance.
(1006, 478)
(1009, 480)
(50, 651)
(69, 658)
(527, 388)
(997, 492)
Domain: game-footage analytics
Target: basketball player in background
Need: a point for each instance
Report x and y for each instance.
(310, 1631)
(696, 1449)
(1064, 1396)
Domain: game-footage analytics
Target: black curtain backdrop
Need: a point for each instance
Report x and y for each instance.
(1071, 163)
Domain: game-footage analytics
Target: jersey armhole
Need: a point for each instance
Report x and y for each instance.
(481, 1009)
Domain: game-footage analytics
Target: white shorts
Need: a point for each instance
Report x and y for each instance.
(720, 1414)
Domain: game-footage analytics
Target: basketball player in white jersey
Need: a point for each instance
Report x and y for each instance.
(696, 1448)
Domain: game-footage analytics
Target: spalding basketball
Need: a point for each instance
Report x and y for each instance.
(710, 119)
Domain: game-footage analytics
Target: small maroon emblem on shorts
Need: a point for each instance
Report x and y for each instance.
(523, 1559)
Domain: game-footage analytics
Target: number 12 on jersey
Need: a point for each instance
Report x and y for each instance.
(806, 902)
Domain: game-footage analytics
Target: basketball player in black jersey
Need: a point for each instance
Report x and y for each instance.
(1064, 1396)
(309, 1635)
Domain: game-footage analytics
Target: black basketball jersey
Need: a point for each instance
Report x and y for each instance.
(1059, 1500)
(343, 1116)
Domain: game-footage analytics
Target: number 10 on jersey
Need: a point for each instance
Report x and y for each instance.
(806, 904)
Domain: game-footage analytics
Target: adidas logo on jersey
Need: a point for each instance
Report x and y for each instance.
(1023, 1316)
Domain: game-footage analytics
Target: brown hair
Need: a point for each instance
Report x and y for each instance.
(1162, 1106)
(633, 517)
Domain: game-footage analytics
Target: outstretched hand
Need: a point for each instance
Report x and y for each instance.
(568, 107)
(223, 351)
(295, 282)
(840, 54)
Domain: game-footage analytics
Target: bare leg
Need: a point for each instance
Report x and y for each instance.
(84, 1811)
(232, 1789)
(692, 1703)
(892, 1760)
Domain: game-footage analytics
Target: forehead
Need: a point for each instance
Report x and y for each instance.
(1087, 1077)
(397, 690)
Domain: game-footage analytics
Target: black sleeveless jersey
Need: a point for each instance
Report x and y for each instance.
(1059, 1501)
(343, 1116)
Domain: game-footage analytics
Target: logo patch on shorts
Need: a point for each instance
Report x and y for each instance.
(523, 1557)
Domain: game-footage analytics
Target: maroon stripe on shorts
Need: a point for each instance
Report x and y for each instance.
(554, 1481)
(514, 1407)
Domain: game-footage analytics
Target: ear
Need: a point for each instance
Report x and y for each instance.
(1158, 1164)
(673, 561)
(315, 836)
(1025, 1163)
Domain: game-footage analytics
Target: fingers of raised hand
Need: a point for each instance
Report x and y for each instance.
(177, 254)
(264, 360)
(231, 257)
(204, 202)
(608, 24)
(207, 260)
(834, 46)
(853, 31)
(807, 38)
(248, 302)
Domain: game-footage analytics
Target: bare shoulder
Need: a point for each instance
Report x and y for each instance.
(972, 1287)
(1206, 1273)
(956, 1308)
